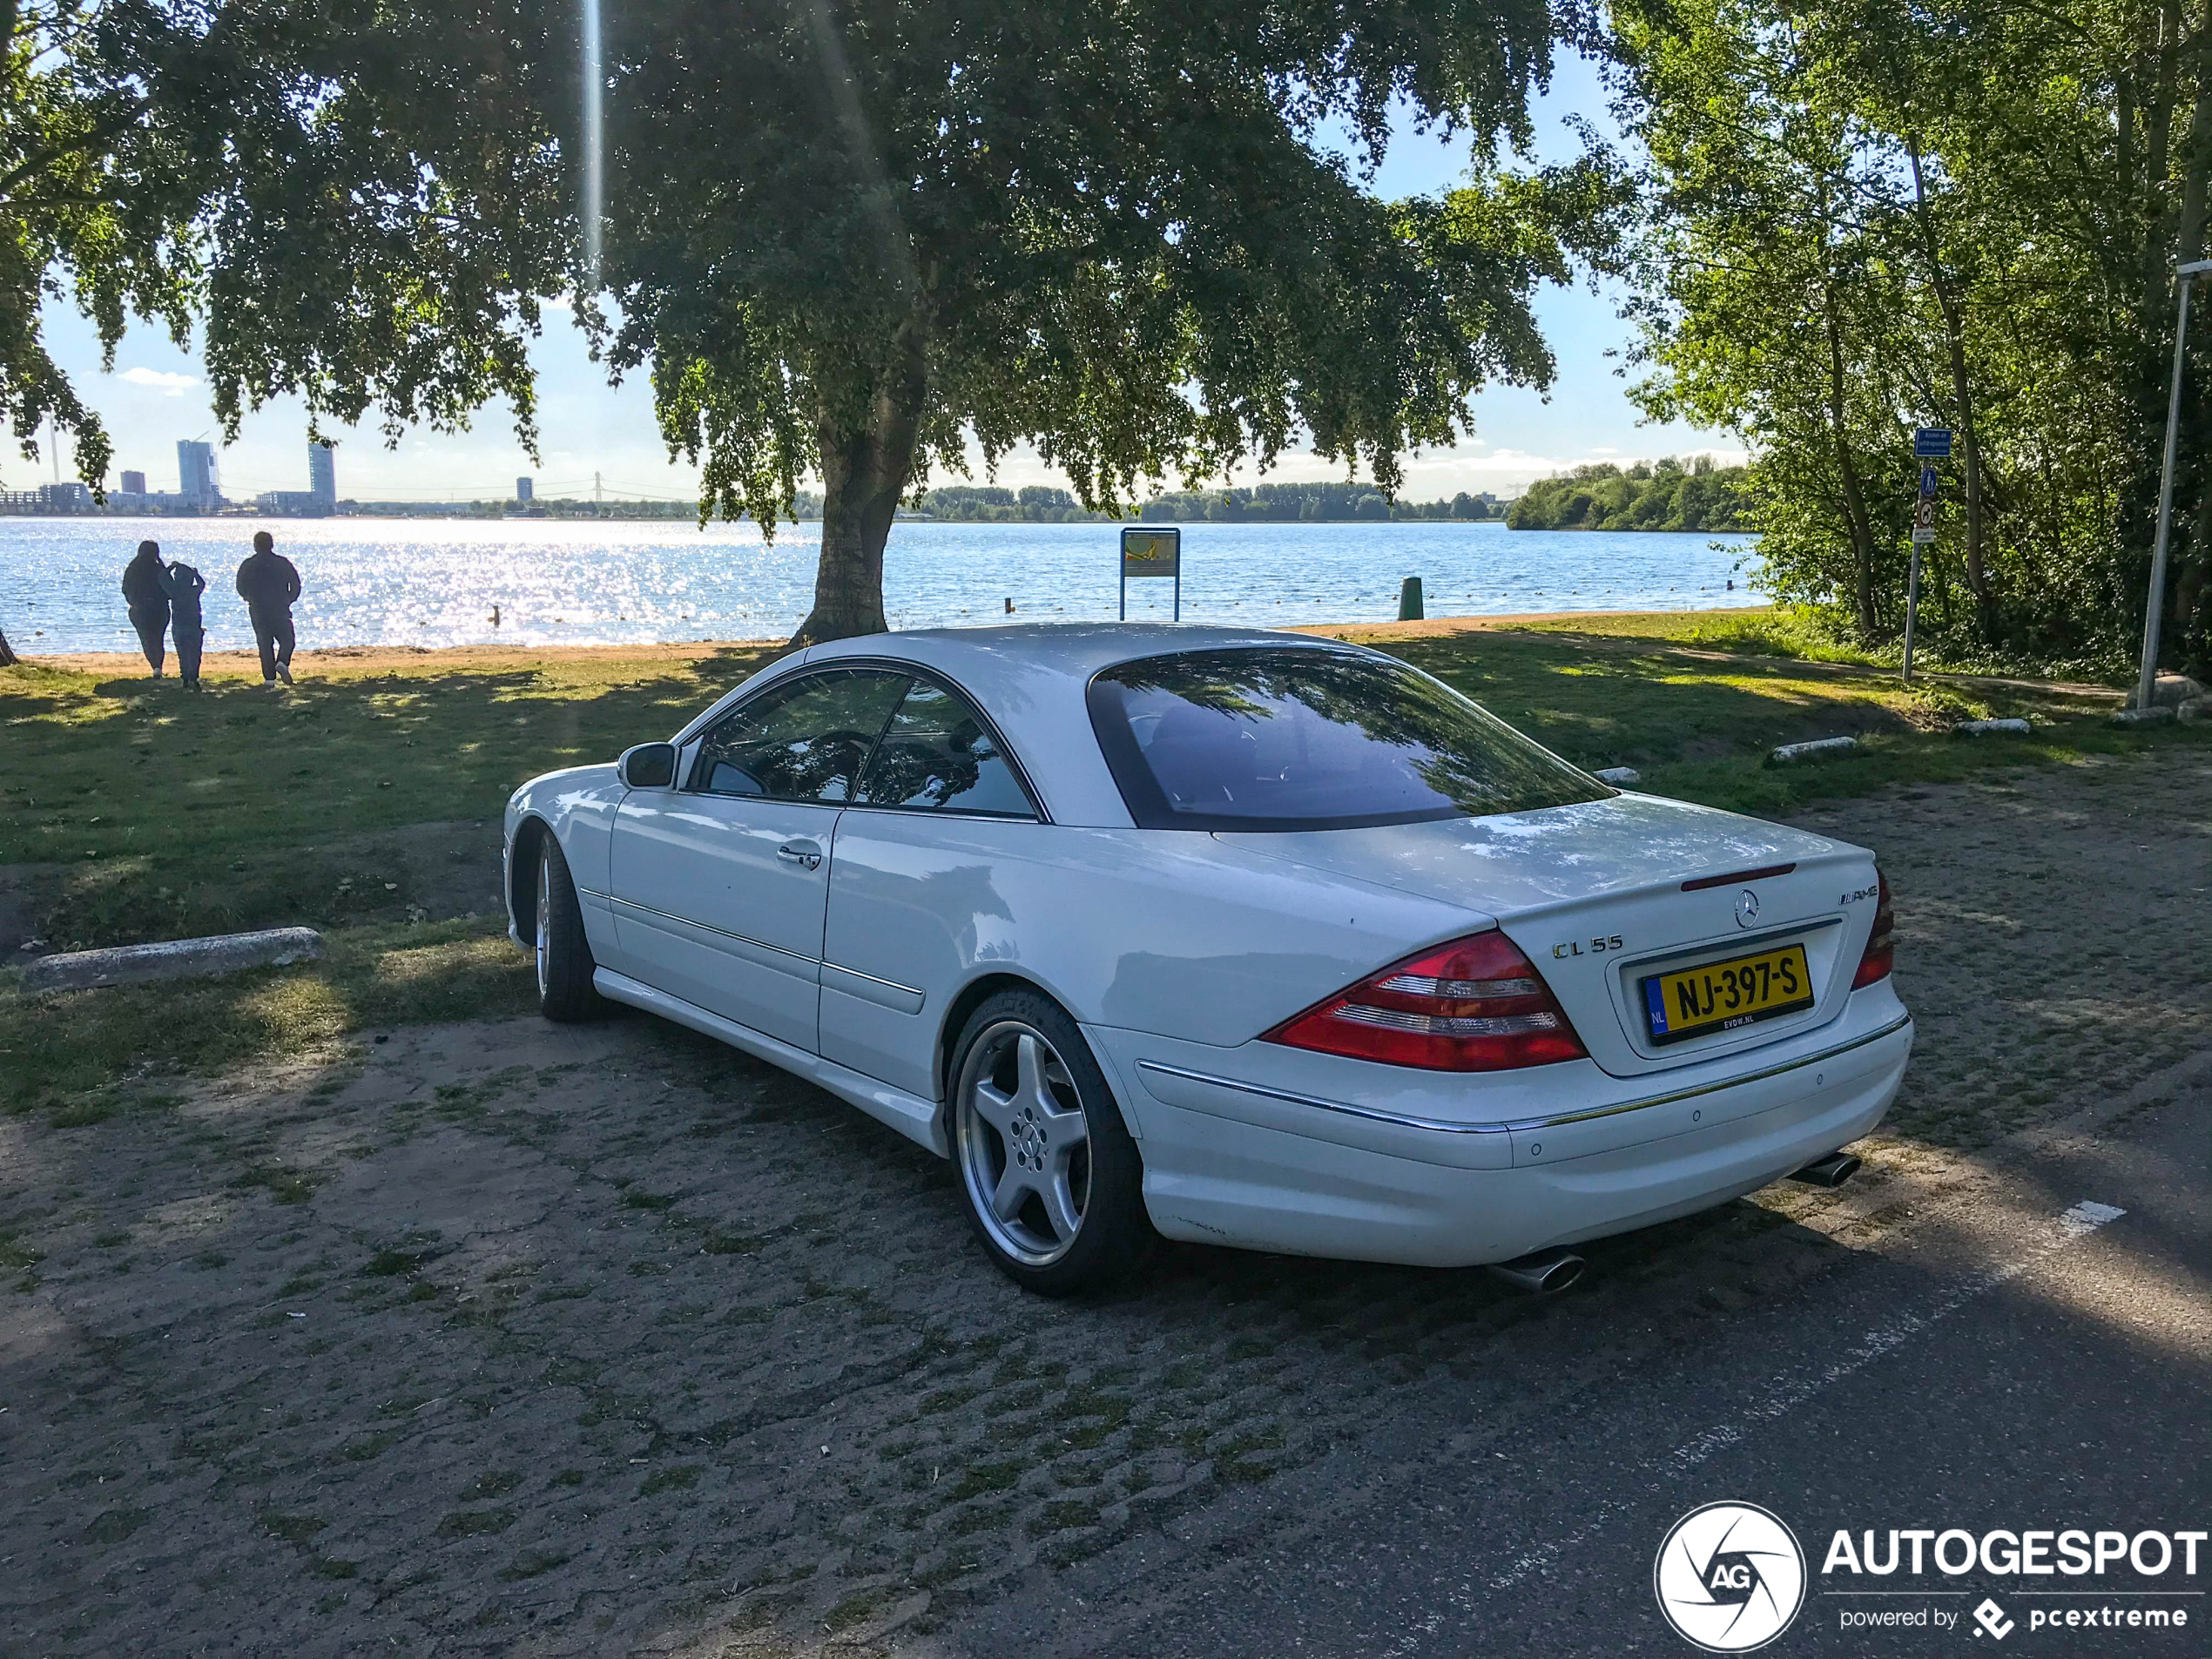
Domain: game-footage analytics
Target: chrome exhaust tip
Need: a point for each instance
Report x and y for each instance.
(1540, 1272)
(1831, 1172)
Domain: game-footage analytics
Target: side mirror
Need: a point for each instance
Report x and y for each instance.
(649, 766)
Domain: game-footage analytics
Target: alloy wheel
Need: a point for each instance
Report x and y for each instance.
(1024, 1143)
(544, 923)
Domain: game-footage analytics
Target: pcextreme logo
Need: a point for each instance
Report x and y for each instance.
(1730, 1577)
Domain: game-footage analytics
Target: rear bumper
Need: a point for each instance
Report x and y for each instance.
(1263, 1168)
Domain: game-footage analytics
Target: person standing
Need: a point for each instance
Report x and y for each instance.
(269, 585)
(184, 585)
(149, 604)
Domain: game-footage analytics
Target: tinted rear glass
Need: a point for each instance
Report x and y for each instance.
(1290, 739)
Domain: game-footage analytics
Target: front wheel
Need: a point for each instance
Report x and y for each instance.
(1047, 1172)
(564, 964)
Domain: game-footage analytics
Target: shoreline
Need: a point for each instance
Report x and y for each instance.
(366, 659)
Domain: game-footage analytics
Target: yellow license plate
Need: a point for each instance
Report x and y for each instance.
(1720, 996)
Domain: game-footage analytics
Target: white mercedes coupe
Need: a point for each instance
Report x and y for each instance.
(1252, 939)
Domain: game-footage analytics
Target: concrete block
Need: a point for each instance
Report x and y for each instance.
(81, 970)
(1619, 777)
(1819, 749)
(2158, 714)
(2171, 691)
(1991, 729)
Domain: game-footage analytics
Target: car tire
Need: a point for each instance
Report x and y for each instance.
(1058, 1204)
(563, 955)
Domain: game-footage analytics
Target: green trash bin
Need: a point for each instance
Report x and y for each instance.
(1409, 600)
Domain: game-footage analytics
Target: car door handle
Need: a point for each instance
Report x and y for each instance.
(806, 854)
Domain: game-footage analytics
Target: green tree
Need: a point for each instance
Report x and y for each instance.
(848, 237)
(1963, 213)
(1117, 232)
(356, 204)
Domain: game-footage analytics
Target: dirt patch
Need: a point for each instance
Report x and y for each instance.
(361, 661)
(444, 870)
(605, 1339)
(25, 890)
(415, 872)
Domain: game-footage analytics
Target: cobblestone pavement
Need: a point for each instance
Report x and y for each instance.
(507, 1338)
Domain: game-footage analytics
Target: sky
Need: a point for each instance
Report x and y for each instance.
(156, 395)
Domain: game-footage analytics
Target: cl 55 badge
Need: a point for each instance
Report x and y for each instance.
(1575, 947)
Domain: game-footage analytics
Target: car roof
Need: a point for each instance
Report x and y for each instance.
(1029, 679)
(1078, 650)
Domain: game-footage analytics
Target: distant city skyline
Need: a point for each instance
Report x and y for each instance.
(589, 428)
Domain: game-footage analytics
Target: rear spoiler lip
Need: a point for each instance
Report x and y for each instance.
(1699, 883)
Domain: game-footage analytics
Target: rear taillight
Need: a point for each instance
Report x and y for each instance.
(1881, 944)
(1476, 1004)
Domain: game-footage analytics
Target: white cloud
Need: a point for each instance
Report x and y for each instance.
(162, 379)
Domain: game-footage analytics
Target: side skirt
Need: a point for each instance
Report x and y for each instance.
(917, 1119)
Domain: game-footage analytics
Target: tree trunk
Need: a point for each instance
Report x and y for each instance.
(1962, 395)
(2190, 621)
(1855, 519)
(867, 464)
(1932, 571)
(7, 656)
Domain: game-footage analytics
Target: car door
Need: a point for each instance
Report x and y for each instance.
(720, 886)
(916, 889)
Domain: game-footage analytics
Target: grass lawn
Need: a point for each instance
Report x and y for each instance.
(129, 810)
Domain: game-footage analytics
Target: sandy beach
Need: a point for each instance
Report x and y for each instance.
(353, 661)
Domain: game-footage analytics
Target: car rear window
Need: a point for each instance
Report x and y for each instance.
(1298, 739)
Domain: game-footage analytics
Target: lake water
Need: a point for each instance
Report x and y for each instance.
(428, 581)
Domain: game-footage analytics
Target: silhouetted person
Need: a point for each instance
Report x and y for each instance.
(269, 584)
(184, 585)
(142, 592)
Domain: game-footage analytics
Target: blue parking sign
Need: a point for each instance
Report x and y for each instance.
(1932, 442)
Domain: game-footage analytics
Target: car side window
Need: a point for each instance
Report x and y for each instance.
(804, 741)
(938, 755)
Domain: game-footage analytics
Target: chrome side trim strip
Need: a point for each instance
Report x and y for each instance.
(1440, 1127)
(758, 944)
(891, 984)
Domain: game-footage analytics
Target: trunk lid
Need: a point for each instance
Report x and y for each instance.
(1594, 895)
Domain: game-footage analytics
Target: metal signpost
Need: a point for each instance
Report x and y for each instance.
(1929, 443)
(1149, 551)
(2152, 611)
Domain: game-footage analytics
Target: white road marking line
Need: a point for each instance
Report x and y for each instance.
(1786, 1394)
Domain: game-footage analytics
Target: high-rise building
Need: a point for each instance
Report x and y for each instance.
(322, 473)
(196, 474)
(523, 487)
(134, 483)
